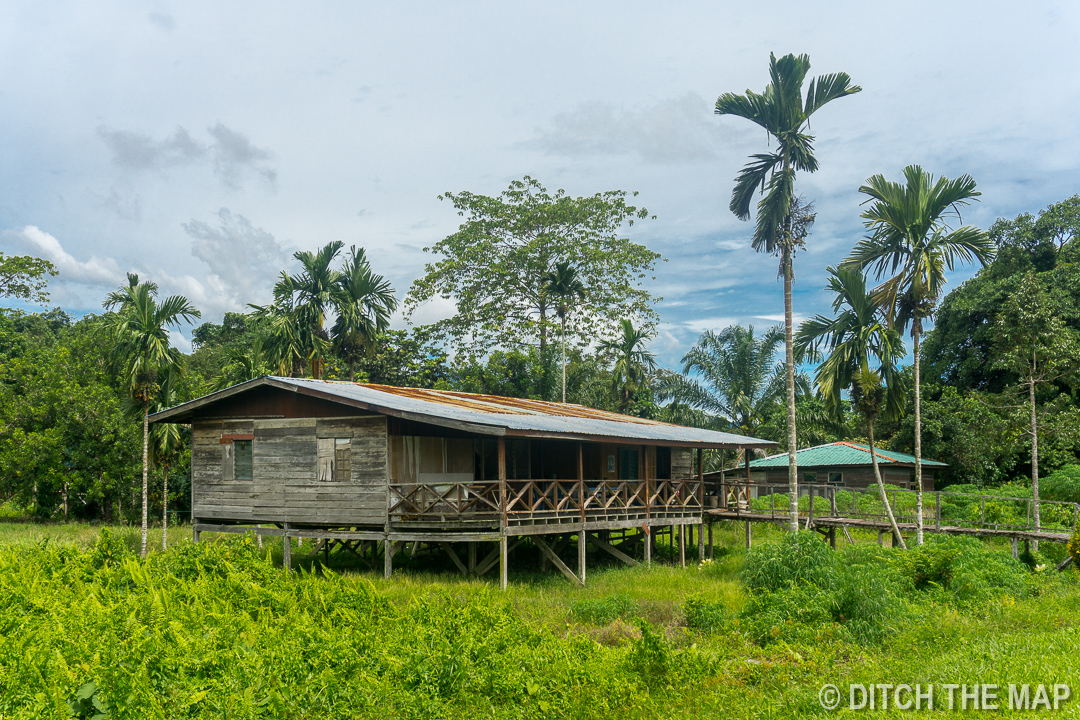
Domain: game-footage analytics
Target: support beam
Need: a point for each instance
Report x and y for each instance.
(504, 553)
(648, 545)
(556, 560)
(582, 546)
(682, 546)
(492, 558)
(1064, 563)
(749, 535)
(472, 558)
(1016, 549)
(711, 546)
(388, 557)
(286, 549)
(454, 556)
(504, 559)
(614, 551)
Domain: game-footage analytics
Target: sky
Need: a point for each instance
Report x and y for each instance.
(200, 144)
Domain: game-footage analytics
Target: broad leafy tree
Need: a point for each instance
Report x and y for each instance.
(784, 113)
(25, 277)
(861, 351)
(563, 286)
(141, 352)
(494, 267)
(912, 244)
(1035, 345)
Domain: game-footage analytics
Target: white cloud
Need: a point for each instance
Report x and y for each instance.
(94, 271)
(711, 323)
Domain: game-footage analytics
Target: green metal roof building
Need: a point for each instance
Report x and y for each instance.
(845, 464)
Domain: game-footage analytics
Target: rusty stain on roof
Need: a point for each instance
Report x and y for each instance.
(495, 404)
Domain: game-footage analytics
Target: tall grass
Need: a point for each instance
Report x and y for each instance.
(218, 630)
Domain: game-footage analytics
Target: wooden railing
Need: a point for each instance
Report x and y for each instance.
(998, 512)
(543, 500)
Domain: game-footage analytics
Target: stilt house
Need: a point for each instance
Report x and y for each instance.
(371, 466)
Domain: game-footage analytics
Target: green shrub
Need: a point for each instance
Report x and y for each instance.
(650, 654)
(963, 566)
(795, 613)
(601, 611)
(1063, 485)
(705, 615)
(798, 558)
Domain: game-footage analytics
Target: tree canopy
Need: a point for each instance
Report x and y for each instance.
(494, 267)
(25, 277)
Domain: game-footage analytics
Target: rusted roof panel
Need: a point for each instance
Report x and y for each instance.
(486, 413)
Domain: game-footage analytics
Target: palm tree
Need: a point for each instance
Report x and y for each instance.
(739, 376)
(364, 302)
(632, 362)
(911, 240)
(141, 350)
(784, 115)
(853, 339)
(246, 363)
(564, 285)
(168, 441)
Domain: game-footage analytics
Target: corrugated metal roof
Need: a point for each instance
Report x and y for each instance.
(841, 453)
(484, 413)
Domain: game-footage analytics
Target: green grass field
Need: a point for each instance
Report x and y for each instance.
(218, 630)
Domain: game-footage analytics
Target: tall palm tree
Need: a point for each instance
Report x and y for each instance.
(632, 362)
(784, 114)
(564, 286)
(141, 351)
(364, 303)
(911, 239)
(168, 441)
(854, 339)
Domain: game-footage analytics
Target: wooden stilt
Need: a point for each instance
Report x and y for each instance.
(1016, 549)
(832, 538)
(700, 545)
(881, 538)
(749, 534)
(682, 546)
(648, 546)
(286, 549)
(711, 547)
(388, 557)
(582, 545)
(194, 535)
(503, 562)
(472, 558)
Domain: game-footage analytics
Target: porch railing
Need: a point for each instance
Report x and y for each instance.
(543, 500)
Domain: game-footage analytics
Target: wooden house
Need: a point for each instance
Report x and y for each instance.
(845, 464)
(372, 467)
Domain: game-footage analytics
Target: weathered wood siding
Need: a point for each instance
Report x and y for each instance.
(285, 487)
(682, 463)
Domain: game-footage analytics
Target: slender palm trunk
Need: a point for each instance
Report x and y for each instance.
(789, 361)
(145, 447)
(1034, 455)
(164, 506)
(881, 487)
(916, 331)
(563, 332)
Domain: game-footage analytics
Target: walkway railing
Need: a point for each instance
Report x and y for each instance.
(940, 508)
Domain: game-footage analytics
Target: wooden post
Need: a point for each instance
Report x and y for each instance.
(700, 545)
(504, 558)
(194, 533)
(581, 480)
(1015, 548)
(286, 548)
(832, 537)
(749, 535)
(682, 546)
(648, 545)
(472, 558)
(881, 538)
(582, 543)
(388, 557)
(711, 548)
